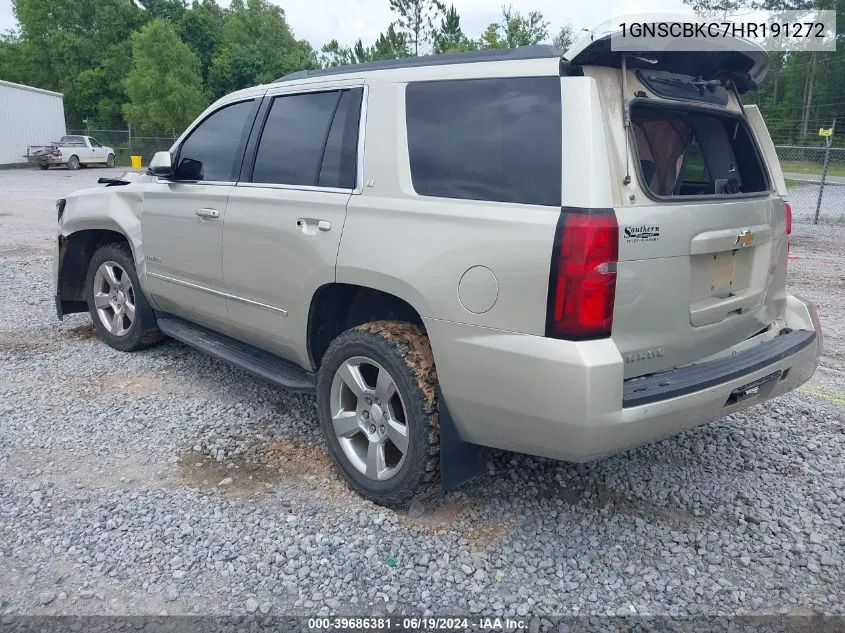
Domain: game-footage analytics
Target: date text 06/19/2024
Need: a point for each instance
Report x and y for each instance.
(414, 624)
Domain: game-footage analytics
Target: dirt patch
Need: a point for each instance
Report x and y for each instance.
(82, 332)
(293, 459)
(462, 518)
(206, 473)
(24, 251)
(18, 345)
(139, 383)
(258, 471)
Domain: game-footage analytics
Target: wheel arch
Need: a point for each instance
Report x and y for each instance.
(74, 254)
(337, 307)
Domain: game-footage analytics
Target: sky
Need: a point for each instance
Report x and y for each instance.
(320, 21)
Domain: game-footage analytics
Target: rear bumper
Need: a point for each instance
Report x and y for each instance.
(569, 401)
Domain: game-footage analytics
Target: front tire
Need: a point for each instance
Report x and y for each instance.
(377, 404)
(120, 311)
(110, 161)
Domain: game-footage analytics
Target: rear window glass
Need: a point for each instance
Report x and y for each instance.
(695, 153)
(486, 139)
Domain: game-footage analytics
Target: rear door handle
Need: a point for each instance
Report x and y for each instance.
(208, 213)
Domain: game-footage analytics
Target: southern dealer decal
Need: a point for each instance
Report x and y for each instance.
(642, 233)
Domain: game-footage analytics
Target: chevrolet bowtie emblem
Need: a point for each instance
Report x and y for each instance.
(745, 238)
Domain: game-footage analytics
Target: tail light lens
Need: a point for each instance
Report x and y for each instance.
(787, 212)
(582, 284)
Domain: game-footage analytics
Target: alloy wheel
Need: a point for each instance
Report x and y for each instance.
(114, 298)
(369, 418)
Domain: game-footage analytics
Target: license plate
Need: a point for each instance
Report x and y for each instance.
(722, 271)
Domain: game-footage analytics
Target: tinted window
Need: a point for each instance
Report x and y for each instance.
(310, 139)
(486, 139)
(72, 140)
(211, 151)
(341, 156)
(94, 142)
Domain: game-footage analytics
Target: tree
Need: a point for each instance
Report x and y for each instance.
(450, 38)
(564, 38)
(720, 9)
(257, 46)
(62, 39)
(416, 20)
(333, 54)
(515, 30)
(164, 86)
(201, 28)
(390, 45)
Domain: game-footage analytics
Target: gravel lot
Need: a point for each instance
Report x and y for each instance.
(165, 481)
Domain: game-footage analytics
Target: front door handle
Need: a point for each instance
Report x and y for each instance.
(310, 226)
(208, 213)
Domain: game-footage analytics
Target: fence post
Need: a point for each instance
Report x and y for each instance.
(824, 171)
(130, 139)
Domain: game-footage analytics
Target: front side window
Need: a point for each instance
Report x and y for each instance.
(94, 142)
(486, 139)
(212, 149)
(310, 140)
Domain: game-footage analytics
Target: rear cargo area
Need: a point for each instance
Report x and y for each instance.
(702, 233)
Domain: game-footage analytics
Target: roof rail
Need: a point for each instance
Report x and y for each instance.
(537, 51)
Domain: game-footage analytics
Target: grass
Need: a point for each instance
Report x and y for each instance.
(804, 167)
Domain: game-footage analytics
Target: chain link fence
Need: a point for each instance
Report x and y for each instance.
(126, 144)
(815, 182)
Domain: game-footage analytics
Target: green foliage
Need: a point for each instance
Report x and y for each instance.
(164, 86)
(564, 38)
(515, 30)
(257, 46)
(201, 28)
(416, 20)
(450, 38)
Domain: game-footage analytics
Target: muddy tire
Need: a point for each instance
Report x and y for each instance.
(121, 314)
(73, 162)
(377, 404)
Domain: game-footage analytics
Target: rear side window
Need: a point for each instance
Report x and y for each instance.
(310, 140)
(212, 149)
(486, 139)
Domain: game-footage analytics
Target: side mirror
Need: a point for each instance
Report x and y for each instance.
(160, 165)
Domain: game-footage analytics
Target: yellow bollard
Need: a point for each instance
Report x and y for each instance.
(136, 162)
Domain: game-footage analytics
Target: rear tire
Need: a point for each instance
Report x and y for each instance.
(383, 431)
(73, 162)
(44, 166)
(121, 314)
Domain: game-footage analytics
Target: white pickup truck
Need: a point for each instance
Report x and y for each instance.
(74, 151)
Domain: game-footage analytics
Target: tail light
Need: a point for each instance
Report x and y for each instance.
(787, 212)
(582, 283)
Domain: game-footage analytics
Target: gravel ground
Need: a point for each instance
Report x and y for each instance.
(166, 481)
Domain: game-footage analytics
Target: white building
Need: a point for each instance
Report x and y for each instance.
(28, 116)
